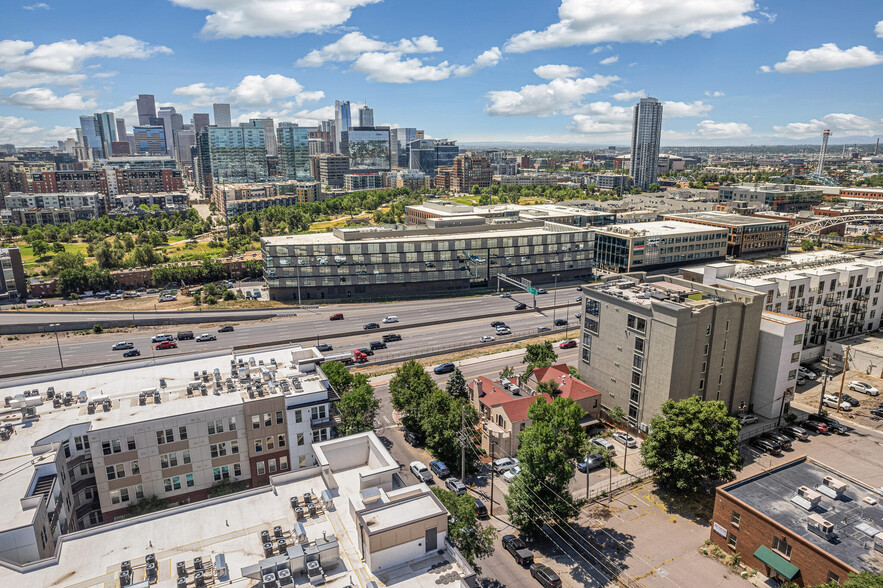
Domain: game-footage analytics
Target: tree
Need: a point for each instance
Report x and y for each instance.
(407, 389)
(474, 540)
(574, 371)
(507, 372)
(539, 355)
(691, 442)
(40, 247)
(441, 419)
(456, 385)
(144, 255)
(550, 387)
(616, 415)
(58, 247)
(107, 256)
(807, 245)
(548, 449)
(358, 407)
(338, 376)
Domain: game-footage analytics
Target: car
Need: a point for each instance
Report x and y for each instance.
(168, 298)
(122, 345)
(818, 427)
(625, 439)
(801, 381)
(832, 424)
(510, 475)
(112, 297)
(795, 432)
(102, 294)
(877, 412)
(520, 306)
(365, 351)
(486, 339)
(504, 464)
(544, 575)
(324, 347)
(367, 326)
(579, 298)
(831, 401)
(496, 324)
(444, 368)
(604, 444)
(505, 295)
(560, 322)
(567, 344)
(504, 331)
(439, 469)
(455, 486)
(541, 291)
(338, 316)
(578, 314)
(480, 510)
(206, 337)
(377, 345)
(161, 338)
(166, 345)
(421, 472)
(766, 446)
(591, 462)
(389, 337)
(132, 353)
(410, 438)
(518, 549)
(543, 329)
(776, 437)
(852, 401)
(864, 388)
(226, 329)
(748, 419)
(806, 373)
(579, 288)
(391, 319)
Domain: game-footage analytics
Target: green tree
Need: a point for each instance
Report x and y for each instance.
(407, 389)
(616, 415)
(539, 355)
(507, 372)
(690, 442)
(550, 387)
(358, 408)
(338, 376)
(474, 540)
(574, 371)
(807, 245)
(441, 423)
(456, 385)
(40, 247)
(143, 255)
(654, 187)
(107, 256)
(58, 247)
(548, 449)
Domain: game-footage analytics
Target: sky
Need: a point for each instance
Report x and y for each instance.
(729, 72)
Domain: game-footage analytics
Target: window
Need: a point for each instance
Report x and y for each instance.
(795, 357)
(215, 427)
(735, 518)
(792, 374)
(283, 463)
(256, 421)
(139, 491)
(112, 446)
(165, 436)
(636, 323)
(218, 450)
(268, 419)
(781, 547)
(271, 465)
(168, 460)
(702, 384)
(182, 433)
(176, 482)
(297, 416)
(636, 379)
(639, 345)
(731, 541)
(81, 443)
(260, 468)
(727, 326)
(167, 484)
(798, 339)
(115, 471)
(281, 441)
(234, 446)
(231, 423)
(280, 419)
(833, 578)
(136, 469)
(317, 413)
(185, 456)
(237, 469)
(707, 330)
(300, 439)
(130, 443)
(705, 351)
(301, 461)
(188, 479)
(117, 496)
(258, 445)
(222, 473)
(271, 444)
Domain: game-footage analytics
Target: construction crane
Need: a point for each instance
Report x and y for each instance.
(825, 134)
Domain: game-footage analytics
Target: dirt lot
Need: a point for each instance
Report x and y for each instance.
(808, 396)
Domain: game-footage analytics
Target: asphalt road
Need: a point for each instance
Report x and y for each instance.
(310, 326)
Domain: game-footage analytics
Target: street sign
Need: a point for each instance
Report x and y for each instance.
(531, 290)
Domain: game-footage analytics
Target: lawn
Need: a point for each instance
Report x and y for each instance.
(27, 254)
(180, 252)
(323, 226)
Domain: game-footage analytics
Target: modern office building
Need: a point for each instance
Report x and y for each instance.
(13, 282)
(614, 182)
(777, 197)
(329, 168)
(342, 123)
(566, 215)
(185, 140)
(269, 132)
(427, 155)
(368, 149)
(465, 173)
(105, 127)
(149, 140)
(658, 244)
(172, 123)
(748, 236)
(400, 140)
(294, 152)
(200, 120)
(362, 181)
(395, 261)
(146, 105)
(122, 134)
(645, 340)
(222, 115)
(91, 137)
(801, 521)
(646, 137)
(366, 116)
(231, 155)
(235, 199)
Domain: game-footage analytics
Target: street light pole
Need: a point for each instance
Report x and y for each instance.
(57, 344)
(555, 300)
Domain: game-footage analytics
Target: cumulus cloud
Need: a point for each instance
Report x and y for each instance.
(233, 19)
(710, 129)
(350, 46)
(553, 72)
(583, 22)
(627, 96)
(878, 30)
(558, 95)
(604, 118)
(252, 91)
(610, 60)
(839, 123)
(684, 109)
(714, 94)
(20, 79)
(68, 56)
(489, 58)
(828, 57)
(46, 99)
(22, 131)
(394, 68)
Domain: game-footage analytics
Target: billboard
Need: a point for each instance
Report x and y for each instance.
(369, 149)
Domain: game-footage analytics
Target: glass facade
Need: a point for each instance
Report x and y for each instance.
(233, 154)
(368, 149)
(428, 155)
(293, 144)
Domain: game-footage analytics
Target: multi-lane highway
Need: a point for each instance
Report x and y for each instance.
(424, 325)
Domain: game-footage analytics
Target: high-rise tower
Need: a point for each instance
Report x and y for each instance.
(146, 109)
(646, 135)
(821, 169)
(342, 123)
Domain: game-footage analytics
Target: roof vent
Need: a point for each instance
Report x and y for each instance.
(878, 542)
(821, 527)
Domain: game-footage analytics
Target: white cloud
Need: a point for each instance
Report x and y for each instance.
(201, 94)
(770, 16)
(601, 48)
(839, 123)
(395, 69)
(684, 109)
(627, 96)
(489, 58)
(271, 18)
(37, 6)
(878, 30)
(68, 56)
(545, 99)
(350, 46)
(20, 79)
(828, 57)
(584, 22)
(604, 118)
(715, 94)
(252, 91)
(26, 132)
(610, 60)
(105, 74)
(46, 99)
(710, 129)
(553, 72)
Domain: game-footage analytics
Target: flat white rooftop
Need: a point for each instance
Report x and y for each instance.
(659, 228)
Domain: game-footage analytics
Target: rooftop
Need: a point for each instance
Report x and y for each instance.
(723, 218)
(772, 493)
(657, 228)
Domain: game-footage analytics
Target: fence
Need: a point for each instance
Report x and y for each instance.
(625, 480)
(747, 435)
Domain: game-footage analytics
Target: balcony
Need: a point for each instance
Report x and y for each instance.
(328, 421)
(81, 485)
(830, 302)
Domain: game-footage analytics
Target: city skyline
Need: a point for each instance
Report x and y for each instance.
(733, 73)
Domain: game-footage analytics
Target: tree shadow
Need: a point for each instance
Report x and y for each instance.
(696, 507)
(490, 583)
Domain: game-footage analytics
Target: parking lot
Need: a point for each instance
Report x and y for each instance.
(808, 396)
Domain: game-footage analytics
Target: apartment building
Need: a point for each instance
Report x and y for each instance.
(367, 181)
(780, 197)
(329, 169)
(51, 182)
(465, 173)
(748, 236)
(645, 340)
(86, 205)
(235, 199)
(231, 155)
(446, 209)
(164, 200)
(350, 263)
(657, 244)
(13, 282)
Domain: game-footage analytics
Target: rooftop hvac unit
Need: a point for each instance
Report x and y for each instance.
(284, 576)
(806, 498)
(268, 577)
(299, 533)
(834, 484)
(821, 527)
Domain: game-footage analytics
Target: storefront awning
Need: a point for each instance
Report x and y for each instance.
(777, 562)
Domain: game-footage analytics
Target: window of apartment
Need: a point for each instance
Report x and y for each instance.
(639, 345)
(234, 447)
(832, 578)
(215, 427)
(297, 416)
(702, 384)
(168, 460)
(258, 445)
(167, 484)
(720, 379)
(300, 438)
(268, 419)
(731, 541)
(221, 473)
(139, 491)
(188, 480)
(735, 518)
(271, 466)
(115, 471)
(781, 547)
(136, 469)
(704, 367)
(318, 413)
(185, 456)
(280, 440)
(320, 435)
(255, 421)
(636, 323)
(798, 339)
(218, 450)
(727, 326)
(707, 330)
(301, 461)
(81, 443)
(271, 443)
(121, 495)
(705, 351)
(165, 436)
(112, 446)
(636, 379)
(237, 469)
(231, 423)
(176, 482)
(280, 419)
(260, 468)
(638, 362)
(182, 433)
(795, 357)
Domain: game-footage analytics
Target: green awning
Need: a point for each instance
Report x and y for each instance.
(777, 562)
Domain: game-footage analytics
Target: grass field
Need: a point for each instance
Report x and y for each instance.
(27, 254)
(180, 252)
(323, 226)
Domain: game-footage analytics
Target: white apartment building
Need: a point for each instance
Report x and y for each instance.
(775, 369)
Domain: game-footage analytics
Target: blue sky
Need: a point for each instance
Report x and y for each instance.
(568, 71)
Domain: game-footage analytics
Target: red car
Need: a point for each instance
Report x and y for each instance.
(567, 344)
(336, 317)
(166, 345)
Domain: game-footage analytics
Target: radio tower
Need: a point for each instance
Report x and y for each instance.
(825, 134)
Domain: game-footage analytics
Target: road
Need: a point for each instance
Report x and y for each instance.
(454, 317)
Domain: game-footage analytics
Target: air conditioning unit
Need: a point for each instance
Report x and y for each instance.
(834, 484)
(821, 527)
(806, 498)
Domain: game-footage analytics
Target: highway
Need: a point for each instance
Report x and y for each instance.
(451, 323)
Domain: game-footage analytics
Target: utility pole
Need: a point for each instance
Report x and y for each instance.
(843, 377)
(493, 447)
(57, 344)
(824, 385)
(463, 443)
(555, 300)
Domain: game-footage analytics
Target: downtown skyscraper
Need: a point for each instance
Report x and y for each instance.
(646, 136)
(343, 120)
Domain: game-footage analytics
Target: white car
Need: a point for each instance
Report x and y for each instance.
(857, 386)
(122, 345)
(748, 419)
(168, 298)
(504, 464)
(486, 339)
(806, 373)
(504, 331)
(421, 472)
(831, 402)
(505, 295)
(206, 337)
(391, 319)
(625, 439)
(511, 474)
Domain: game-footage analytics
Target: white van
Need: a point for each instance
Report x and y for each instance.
(161, 338)
(605, 444)
(391, 319)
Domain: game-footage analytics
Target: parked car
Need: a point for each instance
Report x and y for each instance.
(541, 291)
(795, 432)
(410, 438)
(801, 381)
(625, 439)
(226, 329)
(504, 331)
(520, 306)
(831, 402)
(480, 510)
(567, 344)
(766, 446)
(604, 444)
(455, 486)
(847, 398)
(806, 373)
(421, 472)
(166, 345)
(748, 419)
(132, 353)
(167, 298)
(776, 437)
(378, 345)
(496, 324)
(874, 411)
(439, 469)
(504, 464)
(122, 345)
(833, 425)
(391, 319)
(545, 576)
(511, 474)
(389, 337)
(206, 337)
(816, 426)
(518, 549)
(367, 326)
(864, 388)
(560, 322)
(591, 462)
(444, 368)
(486, 339)
(324, 347)
(506, 295)
(337, 316)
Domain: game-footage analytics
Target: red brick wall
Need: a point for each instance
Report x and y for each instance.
(265, 457)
